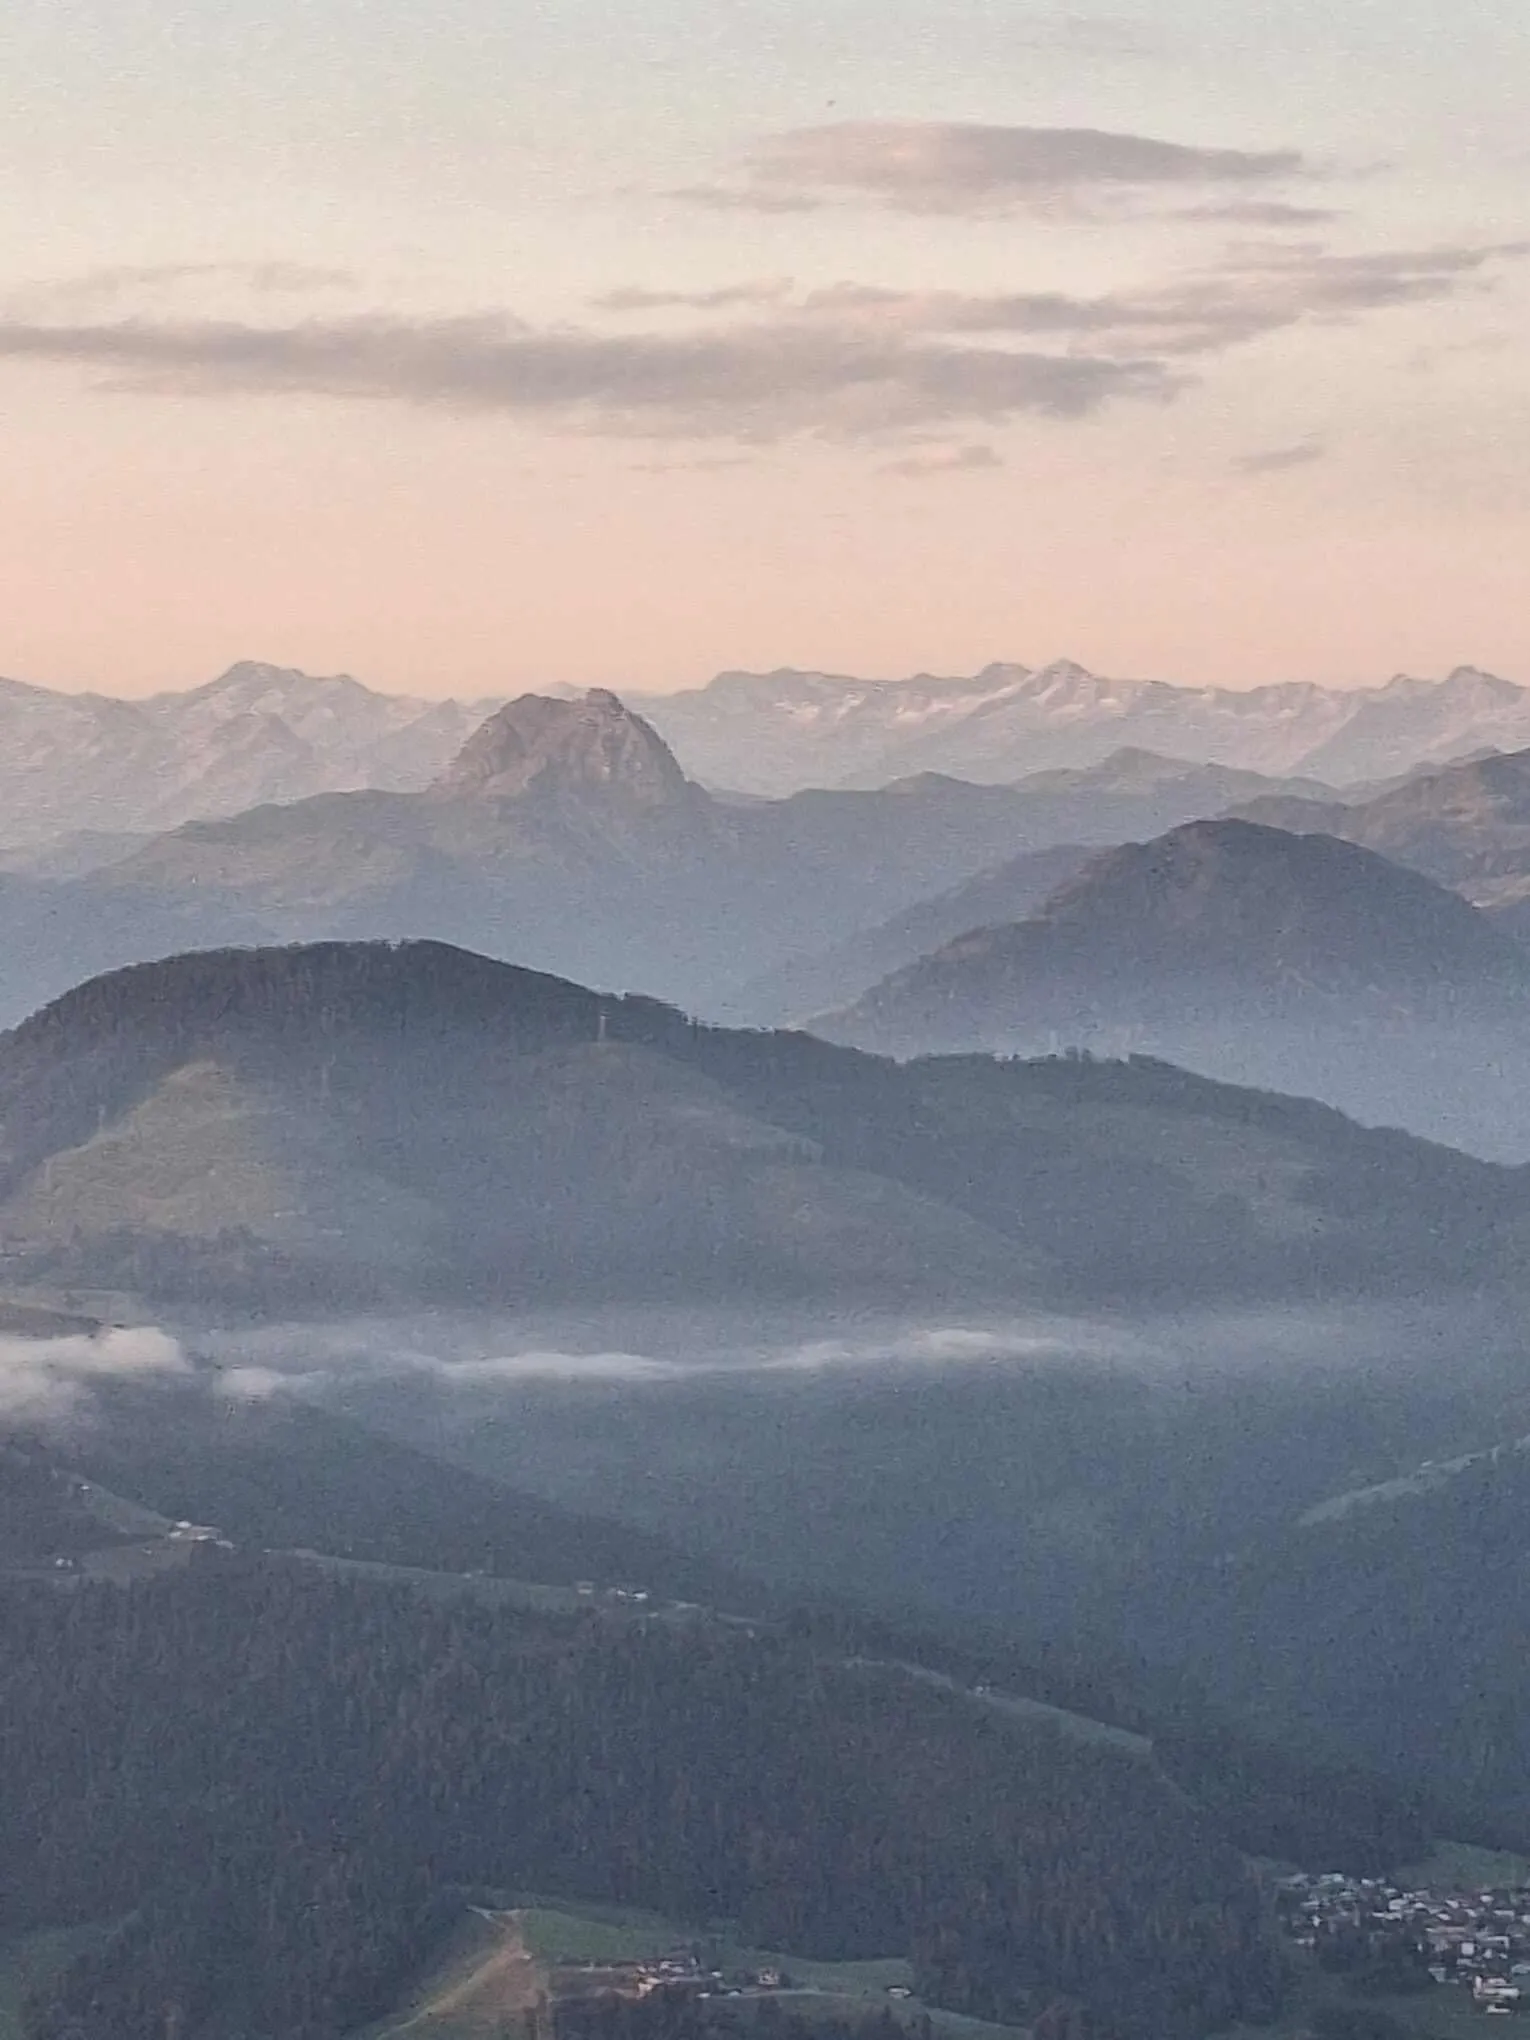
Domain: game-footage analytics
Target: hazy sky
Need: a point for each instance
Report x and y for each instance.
(489, 342)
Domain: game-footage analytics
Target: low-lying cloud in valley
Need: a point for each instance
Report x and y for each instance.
(43, 1381)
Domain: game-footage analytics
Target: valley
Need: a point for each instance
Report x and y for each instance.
(533, 1507)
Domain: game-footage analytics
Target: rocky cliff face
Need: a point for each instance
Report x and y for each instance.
(538, 746)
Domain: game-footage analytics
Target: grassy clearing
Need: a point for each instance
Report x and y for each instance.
(1443, 2014)
(559, 1931)
(483, 1985)
(1458, 1866)
(598, 1933)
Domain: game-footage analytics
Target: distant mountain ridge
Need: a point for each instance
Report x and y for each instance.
(773, 732)
(1466, 826)
(1255, 955)
(70, 762)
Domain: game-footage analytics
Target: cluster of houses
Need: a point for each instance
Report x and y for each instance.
(1476, 1941)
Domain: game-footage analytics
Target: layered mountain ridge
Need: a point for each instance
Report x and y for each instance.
(1290, 960)
(565, 836)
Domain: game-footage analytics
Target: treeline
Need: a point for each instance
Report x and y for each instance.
(274, 1475)
(1267, 1798)
(269, 1777)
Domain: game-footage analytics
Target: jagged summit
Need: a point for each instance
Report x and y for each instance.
(543, 746)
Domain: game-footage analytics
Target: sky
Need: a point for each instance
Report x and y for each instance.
(499, 343)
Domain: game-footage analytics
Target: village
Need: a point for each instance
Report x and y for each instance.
(1410, 1938)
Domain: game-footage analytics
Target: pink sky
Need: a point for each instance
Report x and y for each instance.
(871, 339)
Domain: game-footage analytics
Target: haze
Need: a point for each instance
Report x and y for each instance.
(490, 347)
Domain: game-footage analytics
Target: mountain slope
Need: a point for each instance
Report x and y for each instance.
(836, 977)
(1292, 961)
(1468, 827)
(311, 1128)
(771, 732)
(285, 1772)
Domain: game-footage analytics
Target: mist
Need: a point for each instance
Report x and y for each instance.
(47, 1381)
(667, 1348)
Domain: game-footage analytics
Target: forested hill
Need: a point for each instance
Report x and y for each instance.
(319, 1127)
(271, 1779)
(280, 1475)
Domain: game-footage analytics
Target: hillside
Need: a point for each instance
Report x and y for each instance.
(1467, 827)
(1292, 961)
(836, 977)
(1129, 794)
(1414, 1585)
(321, 1127)
(293, 1773)
(279, 1474)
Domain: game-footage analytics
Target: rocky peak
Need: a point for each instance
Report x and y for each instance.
(591, 746)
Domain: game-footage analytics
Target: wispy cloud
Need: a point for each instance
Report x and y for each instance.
(945, 460)
(1263, 212)
(1253, 292)
(967, 168)
(730, 297)
(1273, 460)
(853, 362)
(767, 380)
(116, 283)
(725, 198)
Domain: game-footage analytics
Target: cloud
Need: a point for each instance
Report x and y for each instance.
(722, 198)
(99, 289)
(709, 464)
(1275, 460)
(767, 380)
(854, 362)
(1263, 212)
(1253, 292)
(946, 460)
(45, 1380)
(964, 167)
(468, 1355)
(729, 298)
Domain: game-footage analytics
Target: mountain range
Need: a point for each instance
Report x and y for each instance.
(78, 771)
(72, 763)
(1290, 962)
(770, 733)
(565, 836)
(338, 1125)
